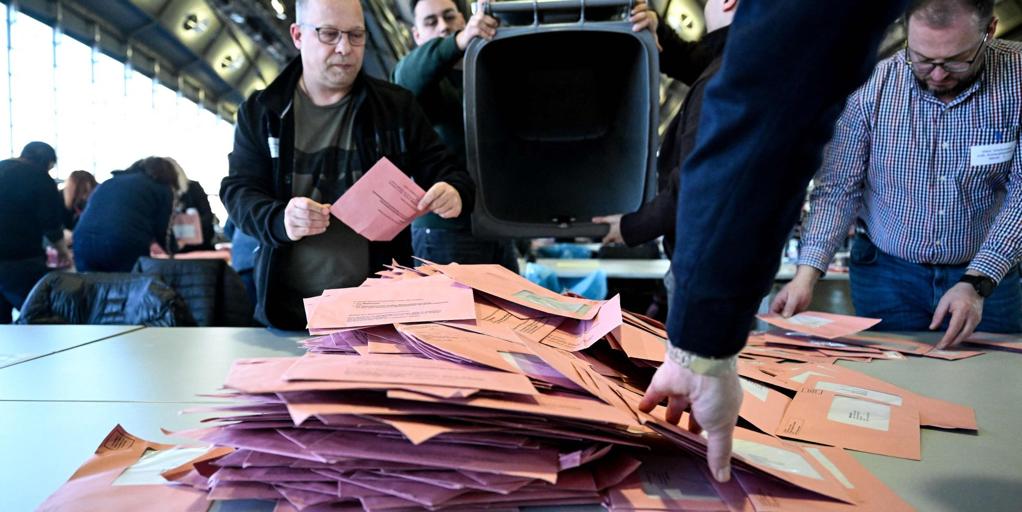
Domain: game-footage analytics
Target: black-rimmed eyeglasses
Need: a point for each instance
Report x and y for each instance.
(925, 67)
(332, 35)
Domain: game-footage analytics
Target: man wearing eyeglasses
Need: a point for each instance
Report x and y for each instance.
(925, 157)
(304, 140)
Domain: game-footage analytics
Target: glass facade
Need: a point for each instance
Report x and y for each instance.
(99, 114)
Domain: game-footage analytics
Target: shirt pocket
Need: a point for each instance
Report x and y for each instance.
(990, 155)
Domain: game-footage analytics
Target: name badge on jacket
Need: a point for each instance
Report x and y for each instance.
(274, 145)
(990, 154)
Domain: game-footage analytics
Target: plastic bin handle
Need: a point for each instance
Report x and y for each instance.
(537, 6)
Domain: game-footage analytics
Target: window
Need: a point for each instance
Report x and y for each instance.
(75, 139)
(108, 94)
(31, 58)
(5, 112)
(99, 114)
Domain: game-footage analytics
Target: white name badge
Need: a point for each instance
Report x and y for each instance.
(990, 154)
(274, 144)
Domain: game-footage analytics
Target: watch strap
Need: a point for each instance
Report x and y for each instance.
(710, 366)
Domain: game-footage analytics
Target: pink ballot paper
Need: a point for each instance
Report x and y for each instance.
(381, 203)
(824, 325)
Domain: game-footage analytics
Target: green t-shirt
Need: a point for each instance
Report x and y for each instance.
(326, 165)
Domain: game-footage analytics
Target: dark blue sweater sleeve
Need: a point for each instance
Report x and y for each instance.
(766, 116)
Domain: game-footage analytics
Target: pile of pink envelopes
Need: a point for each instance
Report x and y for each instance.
(466, 387)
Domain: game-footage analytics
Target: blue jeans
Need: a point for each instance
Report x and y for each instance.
(445, 246)
(905, 294)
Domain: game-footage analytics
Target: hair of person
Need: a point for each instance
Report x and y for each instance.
(39, 153)
(942, 13)
(182, 178)
(161, 170)
(80, 184)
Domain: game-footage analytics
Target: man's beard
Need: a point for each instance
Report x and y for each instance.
(953, 91)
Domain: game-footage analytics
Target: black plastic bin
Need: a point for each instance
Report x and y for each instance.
(560, 119)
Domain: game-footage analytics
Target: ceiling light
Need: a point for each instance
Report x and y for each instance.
(192, 22)
(278, 7)
(231, 62)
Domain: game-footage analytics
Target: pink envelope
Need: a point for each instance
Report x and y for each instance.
(1010, 342)
(101, 483)
(397, 370)
(382, 203)
(932, 412)
(885, 428)
(429, 299)
(574, 335)
(871, 494)
(762, 406)
(667, 482)
(509, 286)
(824, 325)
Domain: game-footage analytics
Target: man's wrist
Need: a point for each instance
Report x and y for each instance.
(701, 365)
(808, 273)
(461, 44)
(983, 285)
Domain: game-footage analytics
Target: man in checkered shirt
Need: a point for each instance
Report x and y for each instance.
(925, 159)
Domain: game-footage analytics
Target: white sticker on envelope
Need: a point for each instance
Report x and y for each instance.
(860, 413)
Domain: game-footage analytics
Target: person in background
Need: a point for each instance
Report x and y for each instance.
(77, 189)
(656, 218)
(30, 212)
(766, 115)
(243, 256)
(926, 158)
(307, 138)
(125, 215)
(192, 198)
(433, 72)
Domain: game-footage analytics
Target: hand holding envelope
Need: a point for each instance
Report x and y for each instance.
(382, 203)
(441, 199)
(385, 201)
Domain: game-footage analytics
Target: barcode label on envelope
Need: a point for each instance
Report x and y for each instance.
(860, 413)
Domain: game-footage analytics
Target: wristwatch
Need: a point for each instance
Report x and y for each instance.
(984, 285)
(710, 366)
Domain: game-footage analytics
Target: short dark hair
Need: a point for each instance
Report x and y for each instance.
(160, 169)
(940, 13)
(39, 153)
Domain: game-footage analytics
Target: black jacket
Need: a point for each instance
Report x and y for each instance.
(388, 123)
(104, 298)
(30, 208)
(657, 217)
(212, 290)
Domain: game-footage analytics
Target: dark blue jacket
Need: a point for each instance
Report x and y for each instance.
(766, 116)
(30, 208)
(130, 210)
